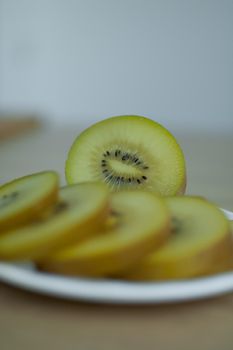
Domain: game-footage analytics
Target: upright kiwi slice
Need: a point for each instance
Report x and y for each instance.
(201, 239)
(79, 212)
(141, 223)
(128, 152)
(24, 199)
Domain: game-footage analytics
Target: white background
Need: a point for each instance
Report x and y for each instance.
(84, 60)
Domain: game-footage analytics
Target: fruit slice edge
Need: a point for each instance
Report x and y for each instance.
(142, 224)
(81, 208)
(202, 242)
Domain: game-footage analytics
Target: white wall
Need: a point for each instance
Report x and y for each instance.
(87, 59)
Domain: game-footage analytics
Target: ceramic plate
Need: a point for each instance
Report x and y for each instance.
(113, 291)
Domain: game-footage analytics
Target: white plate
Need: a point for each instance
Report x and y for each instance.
(117, 292)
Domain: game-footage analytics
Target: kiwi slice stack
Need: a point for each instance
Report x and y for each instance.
(78, 211)
(123, 213)
(134, 233)
(200, 243)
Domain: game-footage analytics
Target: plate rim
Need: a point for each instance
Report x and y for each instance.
(116, 291)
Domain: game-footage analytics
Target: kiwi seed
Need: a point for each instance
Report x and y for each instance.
(8, 198)
(60, 207)
(175, 224)
(129, 159)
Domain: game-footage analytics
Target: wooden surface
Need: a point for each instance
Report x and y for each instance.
(29, 321)
(13, 126)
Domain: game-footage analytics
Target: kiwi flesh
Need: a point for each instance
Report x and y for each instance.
(139, 223)
(78, 214)
(200, 244)
(26, 198)
(128, 152)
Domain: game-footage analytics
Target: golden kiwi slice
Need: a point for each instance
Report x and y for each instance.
(200, 241)
(77, 215)
(128, 153)
(25, 198)
(141, 223)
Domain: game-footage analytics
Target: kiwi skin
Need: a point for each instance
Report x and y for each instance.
(78, 175)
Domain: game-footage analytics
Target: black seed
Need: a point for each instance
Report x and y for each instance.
(129, 179)
(139, 163)
(117, 151)
(176, 225)
(118, 178)
(144, 177)
(145, 167)
(114, 213)
(123, 158)
(138, 181)
(104, 164)
(108, 153)
(105, 170)
(135, 160)
(60, 207)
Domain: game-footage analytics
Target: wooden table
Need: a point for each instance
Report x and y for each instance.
(31, 322)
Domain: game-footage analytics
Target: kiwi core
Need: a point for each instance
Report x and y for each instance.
(176, 225)
(7, 199)
(123, 168)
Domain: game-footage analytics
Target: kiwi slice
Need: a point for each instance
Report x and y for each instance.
(79, 212)
(200, 241)
(224, 262)
(128, 152)
(25, 198)
(231, 227)
(140, 223)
